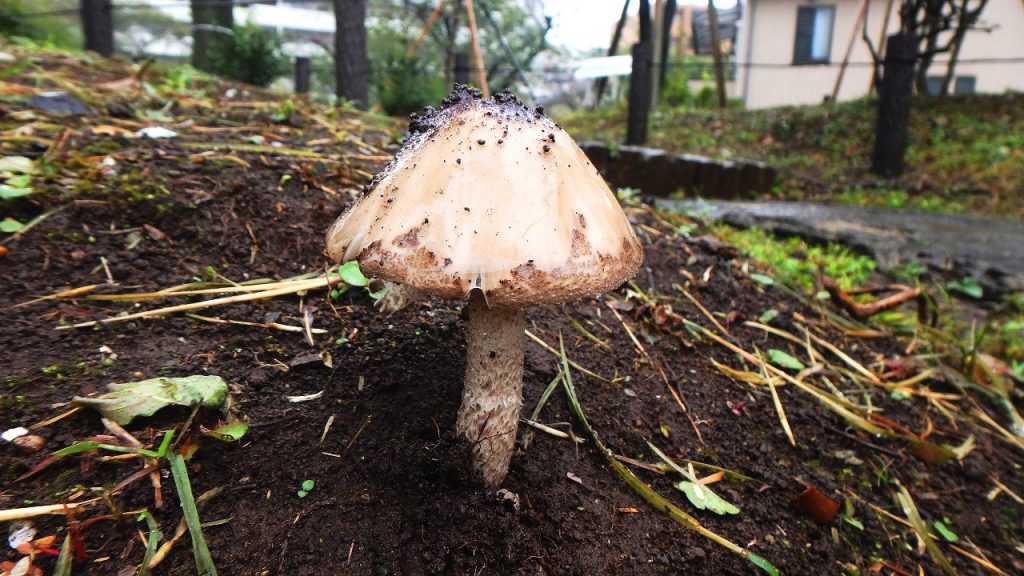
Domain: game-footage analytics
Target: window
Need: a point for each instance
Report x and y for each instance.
(813, 34)
(961, 85)
(964, 85)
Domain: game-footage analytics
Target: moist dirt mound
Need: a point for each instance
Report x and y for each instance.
(392, 491)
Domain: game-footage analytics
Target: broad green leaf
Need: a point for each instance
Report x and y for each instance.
(19, 181)
(768, 316)
(854, 522)
(9, 192)
(16, 164)
(780, 358)
(704, 499)
(762, 279)
(307, 485)
(10, 225)
(352, 275)
(762, 564)
(126, 401)
(969, 287)
(944, 531)
(230, 432)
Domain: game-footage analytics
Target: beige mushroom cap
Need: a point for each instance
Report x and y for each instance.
(487, 194)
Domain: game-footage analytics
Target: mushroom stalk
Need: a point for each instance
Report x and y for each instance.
(493, 391)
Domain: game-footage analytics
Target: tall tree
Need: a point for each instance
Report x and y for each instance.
(351, 67)
(935, 27)
(212, 20)
(927, 28)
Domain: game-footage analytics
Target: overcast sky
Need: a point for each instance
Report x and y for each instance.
(588, 24)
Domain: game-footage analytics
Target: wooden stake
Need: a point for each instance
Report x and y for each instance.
(478, 58)
(426, 29)
(849, 49)
(716, 53)
(881, 43)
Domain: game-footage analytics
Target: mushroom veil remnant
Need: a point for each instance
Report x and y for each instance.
(492, 202)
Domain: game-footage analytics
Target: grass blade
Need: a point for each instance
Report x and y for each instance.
(919, 526)
(151, 544)
(204, 562)
(653, 498)
(527, 435)
(63, 566)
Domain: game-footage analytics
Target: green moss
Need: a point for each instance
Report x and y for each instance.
(800, 263)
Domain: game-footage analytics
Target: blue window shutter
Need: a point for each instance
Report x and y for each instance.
(804, 34)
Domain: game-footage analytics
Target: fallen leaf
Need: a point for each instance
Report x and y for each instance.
(154, 232)
(16, 164)
(812, 503)
(702, 497)
(784, 360)
(128, 400)
(108, 130)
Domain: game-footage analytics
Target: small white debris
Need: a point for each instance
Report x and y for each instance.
(509, 498)
(574, 478)
(306, 397)
(10, 435)
(156, 132)
(21, 533)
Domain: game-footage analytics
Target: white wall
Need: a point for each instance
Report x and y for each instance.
(768, 34)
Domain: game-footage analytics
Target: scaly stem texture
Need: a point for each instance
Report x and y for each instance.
(492, 393)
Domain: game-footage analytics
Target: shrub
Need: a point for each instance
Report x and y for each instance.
(401, 84)
(23, 19)
(250, 54)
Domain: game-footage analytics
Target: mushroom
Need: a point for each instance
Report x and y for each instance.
(491, 201)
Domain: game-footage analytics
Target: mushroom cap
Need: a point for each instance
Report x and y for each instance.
(487, 194)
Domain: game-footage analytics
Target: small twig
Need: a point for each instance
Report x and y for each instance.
(35, 222)
(572, 363)
(33, 511)
(356, 436)
(865, 311)
(55, 419)
(300, 286)
(552, 431)
(701, 307)
(271, 325)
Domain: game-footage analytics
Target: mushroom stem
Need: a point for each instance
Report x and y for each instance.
(492, 393)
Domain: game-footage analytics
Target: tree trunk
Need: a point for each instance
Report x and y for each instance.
(350, 62)
(666, 42)
(98, 26)
(209, 23)
(895, 93)
(639, 95)
(932, 27)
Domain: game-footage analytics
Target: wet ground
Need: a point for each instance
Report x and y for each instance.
(672, 359)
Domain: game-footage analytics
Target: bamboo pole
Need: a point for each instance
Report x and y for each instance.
(426, 29)
(881, 42)
(716, 53)
(478, 58)
(849, 49)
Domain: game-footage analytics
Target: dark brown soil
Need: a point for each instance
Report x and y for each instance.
(392, 493)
